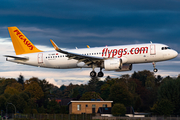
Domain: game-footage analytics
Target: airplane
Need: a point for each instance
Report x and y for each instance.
(110, 58)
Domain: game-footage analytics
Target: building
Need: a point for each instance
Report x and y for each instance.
(87, 107)
(104, 111)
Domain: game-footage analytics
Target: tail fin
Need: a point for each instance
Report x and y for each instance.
(22, 45)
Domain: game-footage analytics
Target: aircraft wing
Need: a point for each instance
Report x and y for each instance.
(17, 57)
(81, 58)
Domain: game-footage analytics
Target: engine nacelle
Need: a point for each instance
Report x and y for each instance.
(113, 64)
(125, 67)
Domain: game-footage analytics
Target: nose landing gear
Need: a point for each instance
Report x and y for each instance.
(154, 65)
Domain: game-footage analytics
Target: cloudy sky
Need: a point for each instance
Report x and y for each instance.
(88, 22)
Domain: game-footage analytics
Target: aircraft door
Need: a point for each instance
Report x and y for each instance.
(40, 58)
(152, 50)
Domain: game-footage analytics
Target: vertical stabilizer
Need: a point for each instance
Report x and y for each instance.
(22, 45)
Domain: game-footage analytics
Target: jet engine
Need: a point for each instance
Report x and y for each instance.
(125, 67)
(113, 64)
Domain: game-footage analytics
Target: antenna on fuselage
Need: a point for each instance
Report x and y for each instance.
(151, 42)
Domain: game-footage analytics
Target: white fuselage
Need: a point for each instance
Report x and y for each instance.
(132, 54)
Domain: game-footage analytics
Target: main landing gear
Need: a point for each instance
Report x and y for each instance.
(93, 73)
(154, 65)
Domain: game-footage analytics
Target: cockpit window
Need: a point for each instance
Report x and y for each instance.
(165, 48)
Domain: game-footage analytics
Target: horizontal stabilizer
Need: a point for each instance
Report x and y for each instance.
(17, 57)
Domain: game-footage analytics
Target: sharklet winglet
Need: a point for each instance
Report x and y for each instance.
(54, 45)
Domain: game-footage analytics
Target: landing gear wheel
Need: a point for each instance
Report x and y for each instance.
(92, 73)
(155, 70)
(100, 74)
(154, 65)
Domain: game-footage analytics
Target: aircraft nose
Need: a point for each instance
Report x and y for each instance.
(175, 54)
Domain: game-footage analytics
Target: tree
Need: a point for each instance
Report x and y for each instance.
(9, 81)
(31, 80)
(64, 110)
(163, 107)
(35, 90)
(118, 109)
(5, 83)
(2, 103)
(142, 75)
(24, 95)
(17, 86)
(21, 79)
(145, 89)
(170, 90)
(90, 95)
(119, 94)
(92, 84)
(45, 86)
(74, 93)
(53, 107)
(63, 87)
(105, 91)
(41, 109)
(150, 82)
(32, 104)
(19, 102)
(11, 91)
(158, 79)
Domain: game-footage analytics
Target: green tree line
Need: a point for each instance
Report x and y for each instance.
(142, 90)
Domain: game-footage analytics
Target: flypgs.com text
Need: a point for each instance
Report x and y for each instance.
(121, 52)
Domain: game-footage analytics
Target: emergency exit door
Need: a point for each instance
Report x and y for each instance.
(152, 50)
(40, 58)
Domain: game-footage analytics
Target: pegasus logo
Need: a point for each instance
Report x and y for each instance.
(25, 41)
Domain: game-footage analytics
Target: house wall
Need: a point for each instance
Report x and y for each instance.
(88, 110)
(70, 109)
